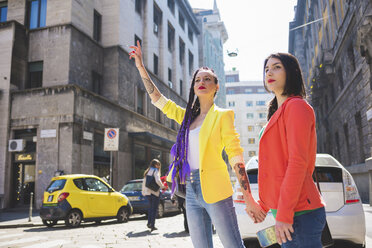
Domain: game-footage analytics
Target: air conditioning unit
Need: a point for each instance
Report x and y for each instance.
(16, 145)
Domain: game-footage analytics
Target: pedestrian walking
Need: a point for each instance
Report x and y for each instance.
(153, 196)
(287, 151)
(205, 131)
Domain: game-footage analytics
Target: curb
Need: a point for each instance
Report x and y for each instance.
(20, 225)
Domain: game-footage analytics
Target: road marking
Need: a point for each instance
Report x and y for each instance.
(19, 241)
(11, 235)
(49, 244)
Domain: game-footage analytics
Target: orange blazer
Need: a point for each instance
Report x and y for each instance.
(287, 153)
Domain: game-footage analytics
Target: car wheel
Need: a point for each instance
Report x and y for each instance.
(73, 218)
(160, 211)
(50, 223)
(123, 215)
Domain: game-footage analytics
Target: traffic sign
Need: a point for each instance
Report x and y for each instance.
(111, 139)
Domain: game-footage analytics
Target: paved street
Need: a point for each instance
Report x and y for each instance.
(170, 233)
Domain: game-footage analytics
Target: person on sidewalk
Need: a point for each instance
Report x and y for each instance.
(287, 151)
(152, 196)
(205, 131)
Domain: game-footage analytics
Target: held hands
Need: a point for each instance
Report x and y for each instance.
(137, 55)
(255, 211)
(283, 232)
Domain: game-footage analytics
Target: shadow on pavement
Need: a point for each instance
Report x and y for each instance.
(176, 235)
(141, 234)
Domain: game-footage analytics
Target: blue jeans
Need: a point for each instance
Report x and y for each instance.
(200, 216)
(307, 230)
(152, 211)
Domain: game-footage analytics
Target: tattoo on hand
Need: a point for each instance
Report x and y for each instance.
(244, 182)
(148, 85)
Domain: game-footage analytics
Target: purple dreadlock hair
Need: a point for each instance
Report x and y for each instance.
(179, 150)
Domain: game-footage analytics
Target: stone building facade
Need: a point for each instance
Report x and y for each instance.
(213, 36)
(333, 41)
(65, 75)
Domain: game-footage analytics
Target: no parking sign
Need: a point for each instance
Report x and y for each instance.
(111, 139)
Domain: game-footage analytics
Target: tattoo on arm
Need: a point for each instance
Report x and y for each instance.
(243, 178)
(149, 85)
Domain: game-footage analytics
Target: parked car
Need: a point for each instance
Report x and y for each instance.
(76, 198)
(132, 190)
(344, 208)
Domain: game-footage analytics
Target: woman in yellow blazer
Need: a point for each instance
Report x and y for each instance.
(205, 131)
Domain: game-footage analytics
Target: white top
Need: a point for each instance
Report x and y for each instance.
(193, 149)
(147, 191)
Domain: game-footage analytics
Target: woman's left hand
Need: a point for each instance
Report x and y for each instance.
(255, 211)
(283, 232)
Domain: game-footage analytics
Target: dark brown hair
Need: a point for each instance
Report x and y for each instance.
(153, 164)
(294, 83)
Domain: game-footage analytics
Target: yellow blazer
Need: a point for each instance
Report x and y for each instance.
(217, 132)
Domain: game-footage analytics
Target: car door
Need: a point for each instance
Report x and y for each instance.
(101, 202)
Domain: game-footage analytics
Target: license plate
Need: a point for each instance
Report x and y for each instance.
(50, 198)
(133, 198)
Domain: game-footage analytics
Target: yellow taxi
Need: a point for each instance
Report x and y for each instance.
(74, 198)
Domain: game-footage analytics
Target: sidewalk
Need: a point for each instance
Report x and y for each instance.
(13, 219)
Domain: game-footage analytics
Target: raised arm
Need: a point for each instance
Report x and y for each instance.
(151, 88)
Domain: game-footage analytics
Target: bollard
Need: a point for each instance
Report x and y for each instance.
(30, 213)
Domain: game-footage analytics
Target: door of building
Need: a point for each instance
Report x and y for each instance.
(24, 179)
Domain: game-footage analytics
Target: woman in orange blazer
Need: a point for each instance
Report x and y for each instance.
(287, 153)
(205, 130)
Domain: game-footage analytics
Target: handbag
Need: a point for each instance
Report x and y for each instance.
(151, 182)
(327, 239)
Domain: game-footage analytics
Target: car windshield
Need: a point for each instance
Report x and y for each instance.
(137, 186)
(56, 185)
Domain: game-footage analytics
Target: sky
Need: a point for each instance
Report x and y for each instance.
(256, 28)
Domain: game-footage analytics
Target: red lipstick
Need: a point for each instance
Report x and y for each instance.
(270, 80)
(202, 88)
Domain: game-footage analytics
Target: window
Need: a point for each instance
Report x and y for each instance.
(250, 128)
(262, 115)
(248, 91)
(181, 20)
(35, 75)
(260, 103)
(250, 116)
(97, 26)
(232, 104)
(335, 24)
(140, 98)
(205, 19)
(251, 153)
(136, 38)
(157, 115)
(96, 82)
(251, 141)
(182, 51)
(346, 133)
(101, 158)
(261, 91)
(191, 62)
(3, 12)
(170, 84)
(340, 77)
(95, 185)
(230, 91)
(249, 103)
(157, 19)
(350, 54)
(170, 37)
(358, 122)
(181, 87)
(138, 7)
(156, 61)
(171, 6)
(37, 13)
(232, 78)
(191, 35)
